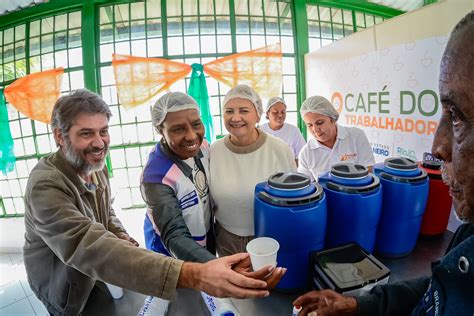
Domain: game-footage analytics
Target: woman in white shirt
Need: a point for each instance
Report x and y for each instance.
(239, 161)
(276, 126)
(332, 143)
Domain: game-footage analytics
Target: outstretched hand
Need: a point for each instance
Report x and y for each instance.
(269, 274)
(217, 278)
(325, 303)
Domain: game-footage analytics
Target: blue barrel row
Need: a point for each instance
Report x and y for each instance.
(381, 210)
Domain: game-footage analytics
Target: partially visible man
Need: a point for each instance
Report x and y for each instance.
(73, 237)
(450, 289)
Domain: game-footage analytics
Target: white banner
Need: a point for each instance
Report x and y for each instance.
(392, 94)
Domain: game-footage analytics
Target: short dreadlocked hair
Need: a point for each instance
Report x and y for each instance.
(465, 21)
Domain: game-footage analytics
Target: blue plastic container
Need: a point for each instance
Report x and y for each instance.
(354, 199)
(292, 210)
(405, 193)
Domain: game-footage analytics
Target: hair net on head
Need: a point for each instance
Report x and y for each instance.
(171, 102)
(274, 101)
(245, 92)
(320, 105)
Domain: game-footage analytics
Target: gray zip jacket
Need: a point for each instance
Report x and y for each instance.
(70, 242)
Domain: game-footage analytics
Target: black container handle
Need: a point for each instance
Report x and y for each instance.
(402, 179)
(354, 190)
(400, 163)
(349, 171)
(291, 202)
(289, 181)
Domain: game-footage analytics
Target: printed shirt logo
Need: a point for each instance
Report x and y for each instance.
(429, 304)
(346, 157)
(188, 200)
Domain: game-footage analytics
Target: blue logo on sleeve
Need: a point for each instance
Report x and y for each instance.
(188, 200)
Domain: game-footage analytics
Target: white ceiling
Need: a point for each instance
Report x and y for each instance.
(403, 5)
(13, 5)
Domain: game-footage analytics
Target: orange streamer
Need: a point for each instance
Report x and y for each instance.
(34, 95)
(260, 68)
(139, 79)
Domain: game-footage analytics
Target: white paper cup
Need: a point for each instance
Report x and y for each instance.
(115, 291)
(263, 252)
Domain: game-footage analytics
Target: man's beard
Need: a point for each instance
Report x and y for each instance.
(79, 163)
(463, 211)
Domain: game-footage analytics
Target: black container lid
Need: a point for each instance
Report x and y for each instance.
(349, 171)
(400, 163)
(430, 164)
(289, 181)
(330, 268)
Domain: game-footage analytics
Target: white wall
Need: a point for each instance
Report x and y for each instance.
(394, 66)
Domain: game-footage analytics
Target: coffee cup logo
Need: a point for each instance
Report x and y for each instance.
(336, 101)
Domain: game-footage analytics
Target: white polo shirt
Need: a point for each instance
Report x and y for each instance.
(351, 146)
(290, 134)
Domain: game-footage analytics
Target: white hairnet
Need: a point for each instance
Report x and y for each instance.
(274, 101)
(245, 92)
(320, 105)
(171, 102)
